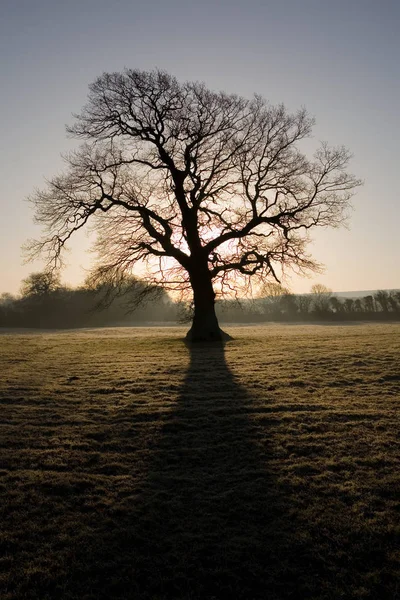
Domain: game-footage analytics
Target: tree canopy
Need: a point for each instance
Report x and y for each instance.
(204, 191)
(40, 284)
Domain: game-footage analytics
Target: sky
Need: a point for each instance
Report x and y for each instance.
(339, 59)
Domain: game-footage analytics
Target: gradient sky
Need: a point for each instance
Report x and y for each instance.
(339, 59)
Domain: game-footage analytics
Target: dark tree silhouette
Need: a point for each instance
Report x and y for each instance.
(208, 190)
(321, 296)
(369, 304)
(40, 284)
(382, 298)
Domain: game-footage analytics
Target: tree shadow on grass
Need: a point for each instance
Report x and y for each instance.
(192, 498)
(188, 499)
(208, 521)
(199, 510)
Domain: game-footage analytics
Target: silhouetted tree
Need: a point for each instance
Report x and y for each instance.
(393, 302)
(304, 302)
(6, 299)
(40, 284)
(336, 305)
(382, 298)
(358, 307)
(321, 298)
(369, 304)
(289, 305)
(7, 308)
(272, 295)
(349, 305)
(209, 190)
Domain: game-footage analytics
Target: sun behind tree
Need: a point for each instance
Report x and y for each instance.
(213, 181)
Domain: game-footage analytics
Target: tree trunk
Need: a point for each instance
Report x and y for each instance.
(205, 327)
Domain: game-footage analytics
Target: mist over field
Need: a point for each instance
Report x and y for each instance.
(136, 466)
(44, 302)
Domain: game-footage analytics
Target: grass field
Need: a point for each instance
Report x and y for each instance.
(135, 467)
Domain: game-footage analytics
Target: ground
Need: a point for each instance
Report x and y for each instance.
(134, 466)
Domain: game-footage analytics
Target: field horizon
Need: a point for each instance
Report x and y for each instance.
(136, 466)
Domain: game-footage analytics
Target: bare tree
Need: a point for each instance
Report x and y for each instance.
(321, 296)
(273, 295)
(304, 302)
(382, 298)
(207, 191)
(369, 304)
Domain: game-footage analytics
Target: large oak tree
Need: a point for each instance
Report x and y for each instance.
(209, 191)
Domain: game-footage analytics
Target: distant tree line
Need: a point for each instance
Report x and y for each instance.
(277, 303)
(44, 302)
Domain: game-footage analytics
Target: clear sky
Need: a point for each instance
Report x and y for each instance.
(340, 59)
